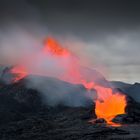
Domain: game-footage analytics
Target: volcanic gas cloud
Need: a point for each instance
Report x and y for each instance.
(109, 103)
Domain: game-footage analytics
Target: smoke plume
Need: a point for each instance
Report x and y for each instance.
(21, 48)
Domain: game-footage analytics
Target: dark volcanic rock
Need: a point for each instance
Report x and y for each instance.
(132, 113)
(133, 109)
(100, 120)
(134, 92)
(16, 101)
(123, 119)
(23, 116)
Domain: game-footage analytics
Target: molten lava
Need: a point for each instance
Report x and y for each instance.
(108, 103)
(52, 46)
(20, 72)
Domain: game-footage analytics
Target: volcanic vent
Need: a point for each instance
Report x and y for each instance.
(108, 101)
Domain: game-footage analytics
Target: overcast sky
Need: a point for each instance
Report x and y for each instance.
(107, 32)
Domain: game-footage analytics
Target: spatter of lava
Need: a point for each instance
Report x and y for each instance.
(108, 103)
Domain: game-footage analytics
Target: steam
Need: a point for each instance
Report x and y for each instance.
(21, 44)
(18, 47)
(115, 52)
(56, 92)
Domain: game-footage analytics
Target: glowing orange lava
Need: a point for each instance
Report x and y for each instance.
(108, 103)
(52, 46)
(20, 72)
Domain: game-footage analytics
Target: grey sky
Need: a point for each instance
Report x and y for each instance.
(108, 30)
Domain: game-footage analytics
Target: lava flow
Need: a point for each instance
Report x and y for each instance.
(20, 72)
(54, 47)
(109, 103)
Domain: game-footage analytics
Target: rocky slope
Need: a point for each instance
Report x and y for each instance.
(24, 116)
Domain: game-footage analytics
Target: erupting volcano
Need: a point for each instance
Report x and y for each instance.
(54, 47)
(20, 73)
(109, 102)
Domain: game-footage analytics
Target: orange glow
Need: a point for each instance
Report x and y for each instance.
(108, 103)
(20, 72)
(52, 46)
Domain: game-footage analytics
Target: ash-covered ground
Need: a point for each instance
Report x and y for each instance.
(24, 116)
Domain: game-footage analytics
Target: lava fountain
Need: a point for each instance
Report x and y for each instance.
(109, 103)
